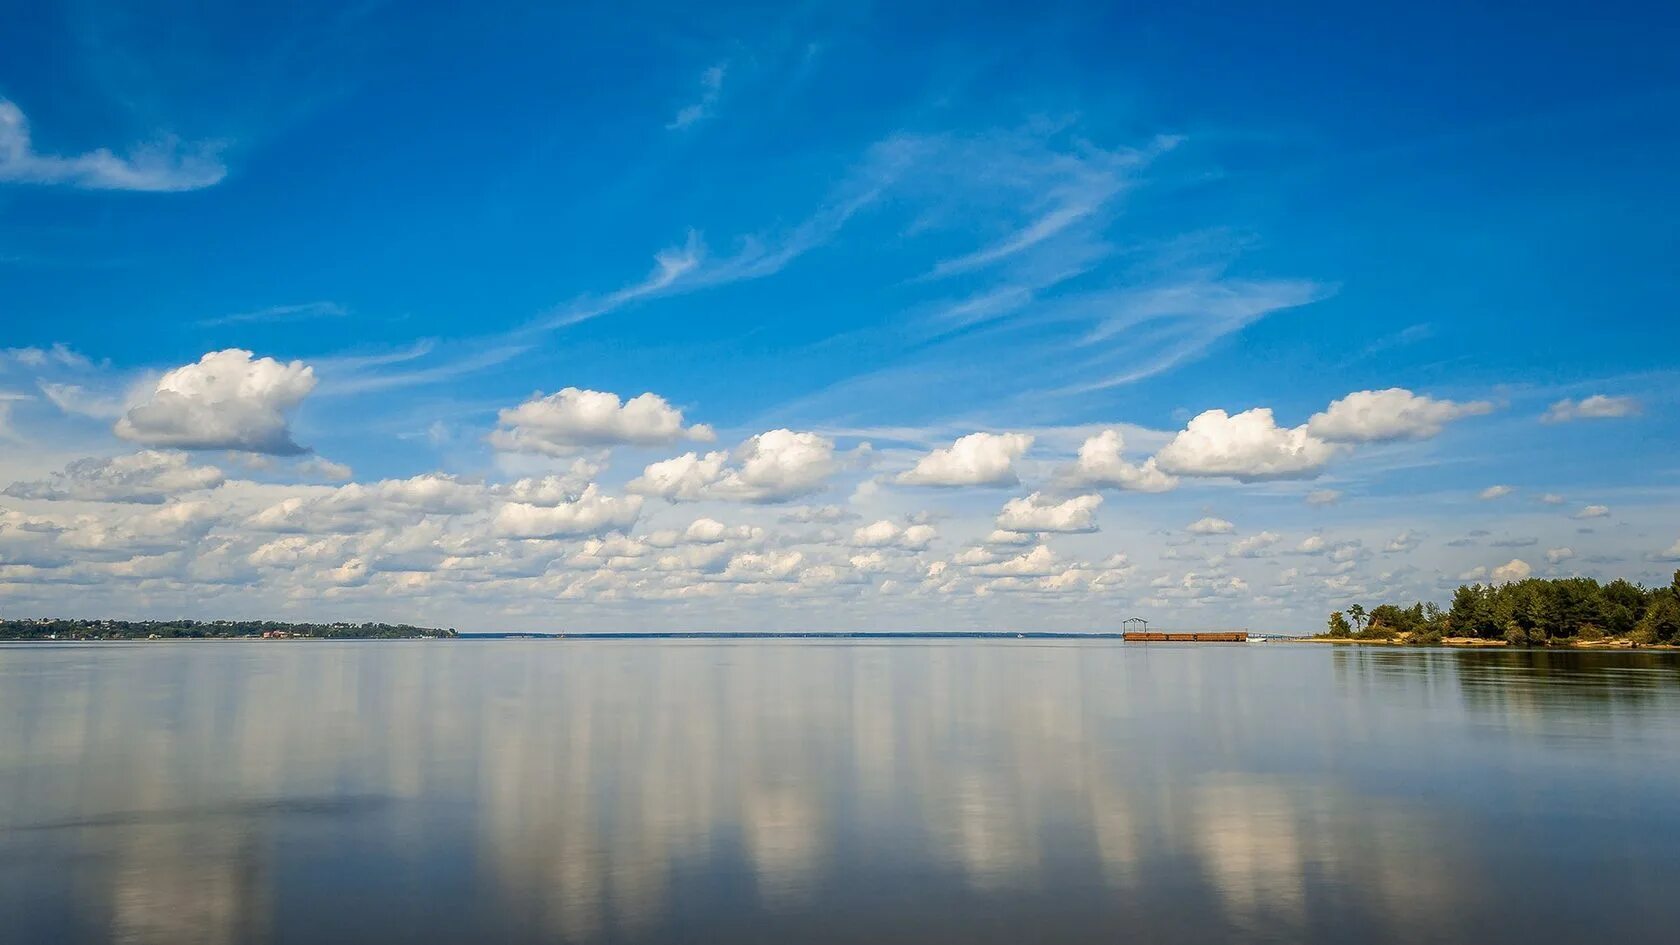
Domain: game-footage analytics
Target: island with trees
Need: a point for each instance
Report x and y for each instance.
(43, 629)
(1576, 611)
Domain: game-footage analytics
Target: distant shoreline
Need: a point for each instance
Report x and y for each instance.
(1479, 643)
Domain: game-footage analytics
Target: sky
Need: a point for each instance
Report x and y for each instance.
(831, 316)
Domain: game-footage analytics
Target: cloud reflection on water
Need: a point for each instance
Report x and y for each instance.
(745, 791)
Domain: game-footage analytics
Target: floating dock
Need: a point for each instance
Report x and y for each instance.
(1157, 636)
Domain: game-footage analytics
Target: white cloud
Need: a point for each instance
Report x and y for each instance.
(591, 513)
(1036, 513)
(1100, 464)
(149, 476)
(1596, 407)
(1371, 416)
(1474, 574)
(1312, 545)
(1559, 555)
(161, 166)
(58, 354)
(978, 459)
(752, 567)
(1039, 562)
(1323, 497)
(711, 87)
(1593, 511)
(1551, 498)
(1248, 446)
(561, 424)
(1254, 545)
(771, 467)
(1211, 526)
(1673, 552)
(75, 399)
(1515, 569)
(1007, 538)
(1405, 541)
(885, 534)
(816, 514)
(226, 400)
(554, 488)
(324, 468)
(1494, 492)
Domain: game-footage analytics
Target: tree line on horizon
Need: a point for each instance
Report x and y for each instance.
(1530, 612)
(85, 629)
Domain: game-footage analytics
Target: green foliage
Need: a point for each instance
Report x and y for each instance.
(1339, 627)
(1537, 612)
(1661, 621)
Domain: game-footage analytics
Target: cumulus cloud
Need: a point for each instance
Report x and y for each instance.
(149, 476)
(1593, 511)
(816, 515)
(888, 534)
(563, 423)
(1248, 446)
(1323, 497)
(978, 459)
(226, 400)
(1673, 552)
(1494, 492)
(1039, 562)
(1515, 569)
(1211, 526)
(1100, 464)
(1550, 498)
(361, 506)
(323, 468)
(165, 165)
(770, 467)
(1036, 513)
(1405, 541)
(753, 566)
(1253, 546)
(592, 512)
(1559, 555)
(1372, 416)
(1596, 407)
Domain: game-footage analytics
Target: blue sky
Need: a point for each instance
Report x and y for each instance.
(323, 256)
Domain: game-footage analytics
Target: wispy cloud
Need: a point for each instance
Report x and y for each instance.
(281, 313)
(1062, 189)
(711, 87)
(163, 165)
(692, 266)
(360, 375)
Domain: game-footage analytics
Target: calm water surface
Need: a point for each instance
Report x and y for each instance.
(813, 792)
